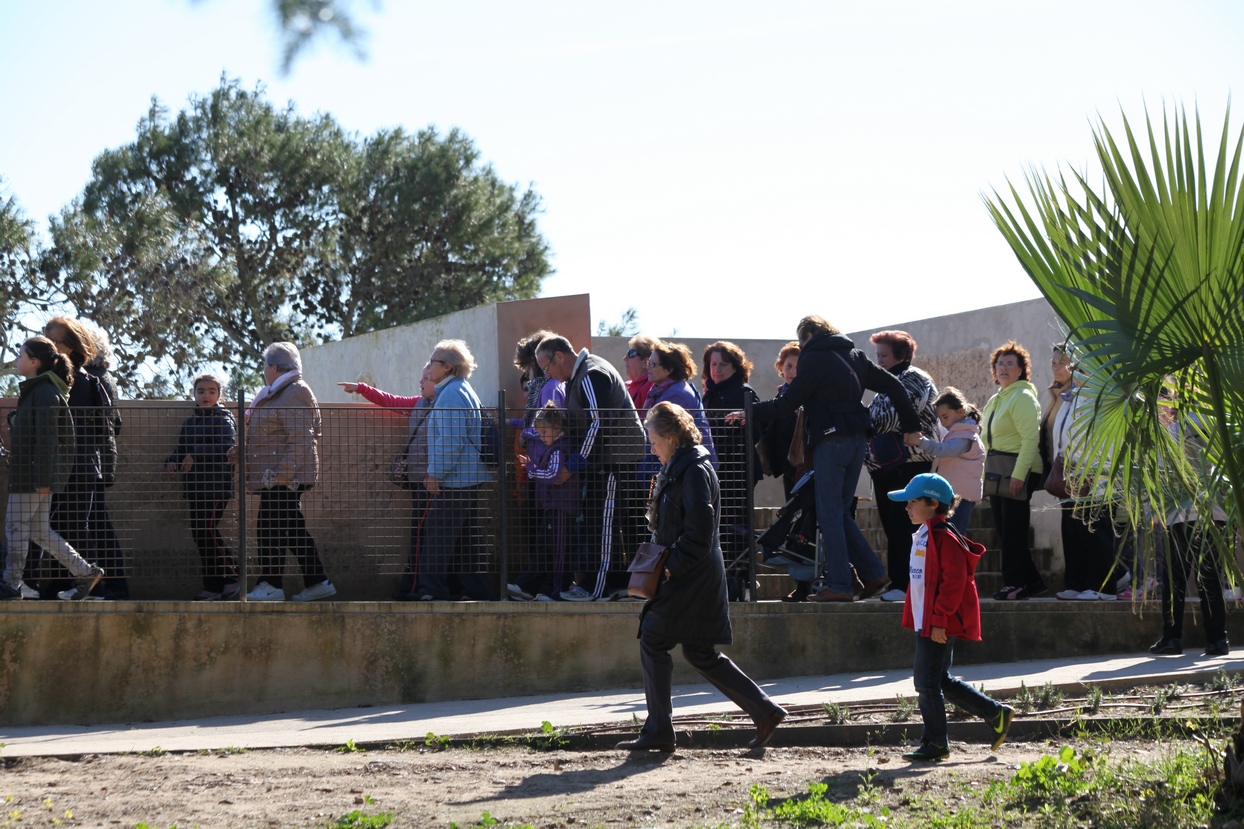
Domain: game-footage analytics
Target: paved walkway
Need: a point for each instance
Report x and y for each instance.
(382, 724)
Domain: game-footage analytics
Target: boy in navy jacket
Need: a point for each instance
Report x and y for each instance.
(208, 484)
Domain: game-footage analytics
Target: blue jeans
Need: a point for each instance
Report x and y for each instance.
(963, 514)
(935, 685)
(838, 460)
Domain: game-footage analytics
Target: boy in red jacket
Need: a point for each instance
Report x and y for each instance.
(942, 606)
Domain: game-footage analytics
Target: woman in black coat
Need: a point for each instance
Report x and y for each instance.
(690, 607)
(726, 370)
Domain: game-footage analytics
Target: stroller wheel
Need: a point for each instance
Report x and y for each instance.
(818, 585)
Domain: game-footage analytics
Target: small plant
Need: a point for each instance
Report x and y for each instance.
(234, 750)
(350, 748)
(436, 743)
(905, 707)
(486, 820)
(403, 745)
(1064, 774)
(358, 820)
(1025, 700)
(1093, 699)
(155, 751)
(1221, 681)
(549, 739)
(1049, 696)
(1160, 698)
(835, 713)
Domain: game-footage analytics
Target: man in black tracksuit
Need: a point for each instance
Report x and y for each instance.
(609, 440)
(832, 376)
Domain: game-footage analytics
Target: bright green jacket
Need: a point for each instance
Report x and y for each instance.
(1011, 422)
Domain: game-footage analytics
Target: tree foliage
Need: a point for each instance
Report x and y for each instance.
(234, 224)
(21, 289)
(1146, 270)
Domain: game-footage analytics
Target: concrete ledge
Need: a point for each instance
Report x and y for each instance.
(146, 661)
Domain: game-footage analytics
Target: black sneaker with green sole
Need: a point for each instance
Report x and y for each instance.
(928, 752)
(1001, 724)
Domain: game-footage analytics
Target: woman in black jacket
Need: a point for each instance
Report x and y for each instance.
(726, 370)
(690, 606)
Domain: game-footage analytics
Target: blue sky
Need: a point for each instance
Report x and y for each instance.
(724, 168)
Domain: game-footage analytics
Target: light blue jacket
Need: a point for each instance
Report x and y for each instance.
(453, 430)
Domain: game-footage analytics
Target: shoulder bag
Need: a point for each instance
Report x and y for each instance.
(797, 455)
(999, 469)
(646, 570)
(399, 469)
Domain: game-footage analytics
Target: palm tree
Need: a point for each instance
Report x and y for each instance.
(1146, 271)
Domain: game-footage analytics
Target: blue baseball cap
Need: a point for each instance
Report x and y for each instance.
(927, 485)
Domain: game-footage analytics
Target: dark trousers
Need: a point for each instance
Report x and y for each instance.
(214, 555)
(1187, 552)
(893, 514)
(605, 507)
(453, 542)
(716, 667)
(419, 500)
(1089, 551)
(1012, 519)
(546, 564)
(280, 525)
(935, 684)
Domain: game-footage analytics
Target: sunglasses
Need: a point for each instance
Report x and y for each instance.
(632, 353)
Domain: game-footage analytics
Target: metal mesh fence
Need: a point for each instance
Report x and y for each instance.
(342, 496)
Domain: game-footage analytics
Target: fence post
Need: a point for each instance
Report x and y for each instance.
(749, 454)
(503, 483)
(243, 572)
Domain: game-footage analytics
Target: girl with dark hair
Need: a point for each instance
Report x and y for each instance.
(42, 441)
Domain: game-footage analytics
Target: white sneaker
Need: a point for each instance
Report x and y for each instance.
(1107, 597)
(265, 592)
(541, 597)
(576, 594)
(1089, 596)
(316, 591)
(28, 592)
(894, 595)
(1231, 594)
(1068, 595)
(518, 594)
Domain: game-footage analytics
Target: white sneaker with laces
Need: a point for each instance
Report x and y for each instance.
(1068, 595)
(1089, 596)
(576, 594)
(518, 594)
(316, 591)
(265, 592)
(894, 595)
(28, 592)
(1107, 597)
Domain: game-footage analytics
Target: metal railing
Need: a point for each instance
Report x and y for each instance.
(210, 523)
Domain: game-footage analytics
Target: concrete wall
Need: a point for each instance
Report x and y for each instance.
(126, 662)
(392, 359)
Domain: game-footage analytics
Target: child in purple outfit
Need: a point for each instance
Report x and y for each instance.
(557, 496)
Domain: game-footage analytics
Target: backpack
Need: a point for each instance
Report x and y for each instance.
(489, 440)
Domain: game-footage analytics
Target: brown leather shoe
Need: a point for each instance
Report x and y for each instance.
(766, 727)
(645, 743)
(874, 587)
(828, 595)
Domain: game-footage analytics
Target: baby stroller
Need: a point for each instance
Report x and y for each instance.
(791, 542)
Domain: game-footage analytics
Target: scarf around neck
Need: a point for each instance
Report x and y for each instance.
(272, 390)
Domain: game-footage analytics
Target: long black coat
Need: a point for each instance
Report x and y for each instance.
(690, 606)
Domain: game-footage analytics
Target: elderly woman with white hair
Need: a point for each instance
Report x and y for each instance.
(455, 481)
(282, 462)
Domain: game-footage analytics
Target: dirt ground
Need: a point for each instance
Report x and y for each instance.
(424, 788)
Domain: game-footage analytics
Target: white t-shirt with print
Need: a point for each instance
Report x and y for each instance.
(919, 543)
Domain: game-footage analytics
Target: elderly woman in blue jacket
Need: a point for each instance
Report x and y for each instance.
(455, 482)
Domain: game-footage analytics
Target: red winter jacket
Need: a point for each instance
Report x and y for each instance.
(950, 598)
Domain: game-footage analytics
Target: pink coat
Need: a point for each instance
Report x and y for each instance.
(965, 471)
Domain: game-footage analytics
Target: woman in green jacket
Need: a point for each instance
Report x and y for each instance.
(1012, 424)
(44, 448)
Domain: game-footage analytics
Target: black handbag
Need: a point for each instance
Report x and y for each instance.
(887, 450)
(999, 469)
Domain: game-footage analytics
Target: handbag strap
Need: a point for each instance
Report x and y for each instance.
(989, 429)
(851, 369)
